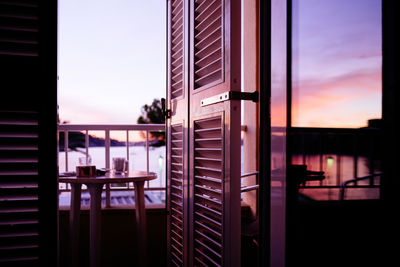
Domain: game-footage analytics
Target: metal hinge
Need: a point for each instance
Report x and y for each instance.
(231, 95)
(167, 112)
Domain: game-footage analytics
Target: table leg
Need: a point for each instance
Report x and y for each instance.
(74, 222)
(141, 222)
(95, 223)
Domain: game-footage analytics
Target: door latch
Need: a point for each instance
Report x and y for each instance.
(166, 112)
(231, 95)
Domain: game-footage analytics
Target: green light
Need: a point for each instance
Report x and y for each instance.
(329, 161)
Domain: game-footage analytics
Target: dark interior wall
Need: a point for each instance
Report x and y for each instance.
(390, 103)
(119, 242)
(390, 96)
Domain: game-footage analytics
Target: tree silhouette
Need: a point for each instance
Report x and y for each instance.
(153, 114)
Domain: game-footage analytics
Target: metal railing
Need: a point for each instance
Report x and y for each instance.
(249, 187)
(107, 129)
(354, 181)
(350, 142)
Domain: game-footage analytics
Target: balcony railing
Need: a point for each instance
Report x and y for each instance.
(349, 154)
(107, 129)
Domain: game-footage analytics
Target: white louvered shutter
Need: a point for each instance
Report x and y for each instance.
(214, 133)
(19, 229)
(28, 128)
(203, 177)
(177, 129)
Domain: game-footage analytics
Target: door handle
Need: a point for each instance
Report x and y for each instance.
(231, 95)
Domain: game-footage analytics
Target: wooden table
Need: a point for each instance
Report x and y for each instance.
(95, 187)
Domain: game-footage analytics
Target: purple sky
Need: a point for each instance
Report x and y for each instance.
(337, 62)
(111, 59)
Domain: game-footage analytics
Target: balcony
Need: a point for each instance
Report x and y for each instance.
(119, 236)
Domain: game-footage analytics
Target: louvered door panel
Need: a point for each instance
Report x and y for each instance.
(177, 164)
(19, 237)
(176, 200)
(177, 40)
(208, 43)
(208, 192)
(19, 28)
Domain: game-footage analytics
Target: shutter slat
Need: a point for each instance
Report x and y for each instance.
(209, 179)
(177, 188)
(18, 186)
(178, 83)
(19, 160)
(176, 172)
(176, 180)
(19, 211)
(208, 169)
(206, 79)
(208, 34)
(176, 76)
(217, 244)
(177, 235)
(178, 6)
(178, 30)
(215, 193)
(207, 48)
(177, 258)
(25, 260)
(208, 190)
(177, 93)
(215, 64)
(207, 159)
(176, 192)
(177, 195)
(207, 219)
(207, 257)
(19, 222)
(177, 227)
(209, 229)
(19, 29)
(19, 3)
(201, 206)
(20, 234)
(200, 261)
(178, 243)
(208, 16)
(177, 68)
(207, 247)
(177, 62)
(20, 148)
(177, 48)
(208, 199)
(210, 55)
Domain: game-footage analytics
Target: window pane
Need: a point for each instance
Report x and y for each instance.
(337, 62)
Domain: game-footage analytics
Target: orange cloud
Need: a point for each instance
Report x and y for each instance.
(345, 101)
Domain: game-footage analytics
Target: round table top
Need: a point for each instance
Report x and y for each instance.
(111, 177)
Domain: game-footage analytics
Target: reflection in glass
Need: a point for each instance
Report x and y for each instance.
(336, 94)
(334, 137)
(278, 133)
(336, 63)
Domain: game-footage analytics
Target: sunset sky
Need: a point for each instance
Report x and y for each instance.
(112, 61)
(337, 62)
